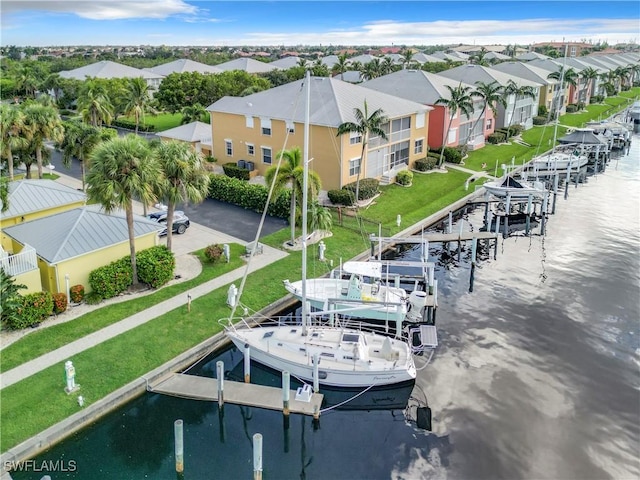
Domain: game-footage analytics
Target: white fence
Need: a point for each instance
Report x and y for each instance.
(19, 263)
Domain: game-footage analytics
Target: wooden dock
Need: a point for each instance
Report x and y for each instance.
(248, 394)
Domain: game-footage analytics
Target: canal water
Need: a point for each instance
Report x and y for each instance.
(536, 375)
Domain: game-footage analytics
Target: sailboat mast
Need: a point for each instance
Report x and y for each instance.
(305, 200)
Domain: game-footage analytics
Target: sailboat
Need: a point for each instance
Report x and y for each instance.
(332, 354)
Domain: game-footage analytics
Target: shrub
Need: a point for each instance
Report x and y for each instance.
(234, 171)
(247, 195)
(342, 197)
(59, 302)
(76, 293)
(597, 99)
(515, 130)
(572, 108)
(496, 137)
(211, 159)
(369, 188)
(581, 105)
(35, 308)
(214, 253)
(404, 177)
(93, 298)
(112, 279)
(539, 120)
(543, 110)
(426, 164)
(156, 265)
(132, 126)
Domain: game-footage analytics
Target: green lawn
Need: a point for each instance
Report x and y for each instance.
(162, 121)
(38, 402)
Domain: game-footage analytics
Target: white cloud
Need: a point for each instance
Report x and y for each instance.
(104, 9)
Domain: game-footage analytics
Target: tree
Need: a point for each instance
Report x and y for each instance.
(53, 82)
(319, 217)
(79, 141)
(407, 53)
(4, 194)
(122, 169)
(478, 57)
(459, 99)
(290, 173)
(10, 299)
(137, 99)
(590, 74)
(491, 95)
(43, 123)
(523, 91)
(192, 113)
(94, 103)
(185, 178)
(365, 125)
(341, 66)
(14, 134)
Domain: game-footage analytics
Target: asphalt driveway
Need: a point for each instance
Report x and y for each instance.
(223, 217)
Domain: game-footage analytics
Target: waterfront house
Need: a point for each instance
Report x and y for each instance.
(254, 129)
(427, 88)
(519, 110)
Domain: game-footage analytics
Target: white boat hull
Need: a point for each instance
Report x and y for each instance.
(284, 348)
(559, 161)
(498, 189)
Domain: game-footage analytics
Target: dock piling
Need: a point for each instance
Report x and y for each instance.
(286, 381)
(257, 456)
(247, 363)
(450, 229)
(179, 445)
(220, 377)
(316, 380)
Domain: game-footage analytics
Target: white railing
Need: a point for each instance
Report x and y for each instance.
(19, 263)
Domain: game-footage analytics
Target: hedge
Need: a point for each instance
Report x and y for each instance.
(35, 308)
(451, 154)
(496, 137)
(342, 197)
(369, 188)
(571, 108)
(404, 177)
(234, 171)
(132, 126)
(77, 293)
(539, 120)
(251, 196)
(59, 302)
(156, 265)
(113, 279)
(426, 164)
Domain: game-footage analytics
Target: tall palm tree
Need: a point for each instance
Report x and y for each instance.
(478, 57)
(341, 66)
(44, 123)
(122, 169)
(79, 141)
(569, 77)
(459, 99)
(192, 113)
(94, 103)
(13, 134)
(53, 82)
(366, 124)
(387, 66)
(137, 99)
(523, 91)
(290, 173)
(407, 53)
(590, 74)
(186, 179)
(491, 95)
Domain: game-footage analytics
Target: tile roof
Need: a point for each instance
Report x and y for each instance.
(332, 102)
(77, 232)
(28, 196)
(191, 132)
(108, 69)
(183, 65)
(415, 85)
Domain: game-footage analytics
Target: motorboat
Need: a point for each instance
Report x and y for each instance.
(515, 189)
(560, 161)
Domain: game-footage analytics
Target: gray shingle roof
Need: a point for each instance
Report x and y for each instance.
(477, 73)
(415, 85)
(332, 103)
(108, 69)
(249, 65)
(531, 56)
(191, 132)
(28, 196)
(77, 232)
(424, 58)
(183, 65)
(526, 70)
(285, 63)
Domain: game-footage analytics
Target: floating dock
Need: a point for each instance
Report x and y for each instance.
(248, 394)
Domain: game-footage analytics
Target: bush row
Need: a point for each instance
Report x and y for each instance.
(369, 188)
(234, 171)
(425, 164)
(35, 308)
(342, 197)
(132, 126)
(451, 154)
(248, 195)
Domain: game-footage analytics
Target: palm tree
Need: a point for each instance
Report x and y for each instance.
(491, 95)
(44, 123)
(516, 90)
(319, 217)
(570, 77)
(365, 125)
(186, 179)
(341, 66)
(301, 63)
(122, 169)
(590, 74)
(291, 172)
(137, 99)
(13, 134)
(407, 53)
(386, 66)
(94, 103)
(79, 141)
(459, 99)
(192, 113)
(54, 83)
(478, 57)
(4, 194)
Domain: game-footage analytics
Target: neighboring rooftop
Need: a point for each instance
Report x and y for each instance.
(181, 66)
(191, 132)
(28, 196)
(108, 69)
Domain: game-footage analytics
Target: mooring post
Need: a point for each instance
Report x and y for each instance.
(528, 218)
(220, 378)
(221, 424)
(431, 274)
(566, 189)
(285, 426)
(316, 380)
(257, 456)
(555, 193)
(179, 445)
(487, 225)
(247, 363)
(450, 222)
(425, 251)
(474, 248)
(461, 227)
(286, 381)
(543, 213)
(497, 224)
(507, 211)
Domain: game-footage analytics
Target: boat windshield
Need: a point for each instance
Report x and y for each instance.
(350, 338)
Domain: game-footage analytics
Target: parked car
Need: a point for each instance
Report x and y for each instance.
(180, 221)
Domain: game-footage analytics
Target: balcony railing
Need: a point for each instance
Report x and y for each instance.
(19, 263)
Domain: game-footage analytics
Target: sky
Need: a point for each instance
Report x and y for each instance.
(290, 23)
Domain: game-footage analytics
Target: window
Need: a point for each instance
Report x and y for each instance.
(249, 121)
(453, 135)
(400, 124)
(418, 146)
(354, 166)
(229, 147)
(291, 128)
(355, 138)
(265, 123)
(251, 149)
(420, 120)
(266, 155)
(489, 123)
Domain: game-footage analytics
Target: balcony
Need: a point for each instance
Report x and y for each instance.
(20, 263)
